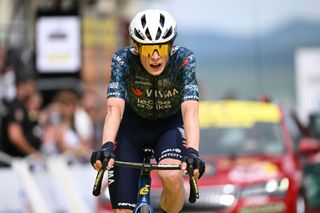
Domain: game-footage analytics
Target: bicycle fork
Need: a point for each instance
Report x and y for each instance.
(143, 200)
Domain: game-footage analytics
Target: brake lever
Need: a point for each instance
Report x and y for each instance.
(194, 190)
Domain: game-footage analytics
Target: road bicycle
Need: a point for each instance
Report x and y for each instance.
(143, 200)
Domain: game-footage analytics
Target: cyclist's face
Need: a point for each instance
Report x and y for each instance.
(154, 62)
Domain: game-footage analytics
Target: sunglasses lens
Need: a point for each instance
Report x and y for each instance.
(162, 49)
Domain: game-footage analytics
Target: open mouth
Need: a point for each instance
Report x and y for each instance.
(155, 66)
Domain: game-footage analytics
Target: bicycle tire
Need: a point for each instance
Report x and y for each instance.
(144, 209)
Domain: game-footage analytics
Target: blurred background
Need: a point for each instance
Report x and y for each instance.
(245, 49)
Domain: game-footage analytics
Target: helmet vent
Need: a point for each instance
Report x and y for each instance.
(143, 21)
(161, 20)
(158, 33)
(153, 26)
(168, 33)
(148, 34)
(136, 33)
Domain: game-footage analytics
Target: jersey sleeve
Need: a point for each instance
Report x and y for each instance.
(190, 89)
(116, 87)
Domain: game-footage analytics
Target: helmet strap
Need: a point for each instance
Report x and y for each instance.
(135, 46)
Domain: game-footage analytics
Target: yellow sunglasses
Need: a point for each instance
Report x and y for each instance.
(147, 50)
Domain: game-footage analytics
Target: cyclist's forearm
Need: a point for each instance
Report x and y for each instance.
(191, 123)
(192, 135)
(112, 122)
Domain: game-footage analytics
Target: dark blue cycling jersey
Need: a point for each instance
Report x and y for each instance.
(154, 97)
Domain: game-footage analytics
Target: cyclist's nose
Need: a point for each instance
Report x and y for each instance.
(155, 55)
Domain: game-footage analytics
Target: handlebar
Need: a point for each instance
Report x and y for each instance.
(98, 182)
(194, 190)
(148, 166)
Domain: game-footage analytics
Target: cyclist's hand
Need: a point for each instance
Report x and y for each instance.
(192, 156)
(104, 153)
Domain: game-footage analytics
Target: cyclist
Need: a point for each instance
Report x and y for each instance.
(152, 102)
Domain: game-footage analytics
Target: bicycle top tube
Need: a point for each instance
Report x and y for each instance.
(148, 166)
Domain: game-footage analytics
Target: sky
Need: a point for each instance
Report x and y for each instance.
(238, 17)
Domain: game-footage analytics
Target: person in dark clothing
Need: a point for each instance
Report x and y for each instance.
(18, 137)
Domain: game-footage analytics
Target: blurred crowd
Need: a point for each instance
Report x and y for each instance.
(71, 123)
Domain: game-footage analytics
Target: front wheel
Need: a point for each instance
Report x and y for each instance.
(144, 208)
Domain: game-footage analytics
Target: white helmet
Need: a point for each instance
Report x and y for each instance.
(153, 26)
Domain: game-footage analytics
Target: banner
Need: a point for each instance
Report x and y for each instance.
(58, 44)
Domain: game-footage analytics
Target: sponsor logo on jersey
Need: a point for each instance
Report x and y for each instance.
(170, 155)
(136, 91)
(143, 83)
(191, 97)
(110, 176)
(114, 94)
(164, 82)
(177, 150)
(141, 78)
(192, 87)
(184, 63)
(144, 190)
(162, 93)
(127, 204)
(148, 104)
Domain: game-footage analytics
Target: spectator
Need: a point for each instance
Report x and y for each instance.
(17, 132)
(33, 105)
(93, 106)
(50, 118)
(69, 138)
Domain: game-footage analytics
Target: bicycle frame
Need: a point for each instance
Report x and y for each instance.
(143, 198)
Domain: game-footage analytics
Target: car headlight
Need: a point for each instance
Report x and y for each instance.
(272, 187)
(217, 196)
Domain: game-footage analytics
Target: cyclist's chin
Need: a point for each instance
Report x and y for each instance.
(155, 70)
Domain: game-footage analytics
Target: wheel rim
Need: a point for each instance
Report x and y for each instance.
(144, 209)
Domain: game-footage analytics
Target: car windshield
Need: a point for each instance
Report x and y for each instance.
(260, 138)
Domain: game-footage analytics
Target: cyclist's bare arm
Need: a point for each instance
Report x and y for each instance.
(115, 109)
(190, 110)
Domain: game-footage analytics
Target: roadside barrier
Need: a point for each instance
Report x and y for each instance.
(59, 183)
